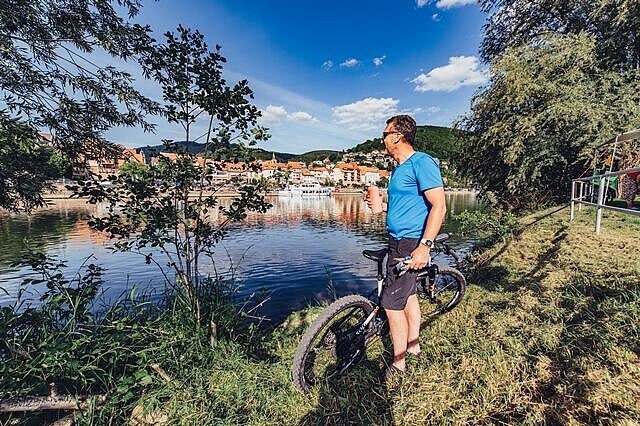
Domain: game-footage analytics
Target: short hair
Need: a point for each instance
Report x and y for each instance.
(405, 125)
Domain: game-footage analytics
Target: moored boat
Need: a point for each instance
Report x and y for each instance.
(306, 189)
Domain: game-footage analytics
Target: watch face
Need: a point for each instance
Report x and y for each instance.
(426, 242)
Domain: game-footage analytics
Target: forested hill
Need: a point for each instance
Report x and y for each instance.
(258, 153)
(437, 141)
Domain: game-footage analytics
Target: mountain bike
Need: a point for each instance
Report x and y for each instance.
(338, 338)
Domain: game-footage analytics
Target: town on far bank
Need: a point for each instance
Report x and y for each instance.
(343, 171)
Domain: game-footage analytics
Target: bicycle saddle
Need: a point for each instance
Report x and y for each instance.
(377, 255)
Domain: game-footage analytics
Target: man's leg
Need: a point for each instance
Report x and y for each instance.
(399, 329)
(412, 314)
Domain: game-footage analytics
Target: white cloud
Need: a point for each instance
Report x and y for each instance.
(327, 65)
(435, 17)
(366, 114)
(350, 63)
(378, 61)
(448, 4)
(445, 4)
(273, 114)
(433, 110)
(301, 116)
(460, 71)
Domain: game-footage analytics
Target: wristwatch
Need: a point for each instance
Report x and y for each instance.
(426, 242)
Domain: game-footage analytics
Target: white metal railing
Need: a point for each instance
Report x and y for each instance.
(581, 196)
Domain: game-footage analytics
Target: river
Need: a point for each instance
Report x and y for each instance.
(294, 253)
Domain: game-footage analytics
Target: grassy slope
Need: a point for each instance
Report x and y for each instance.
(548, 332)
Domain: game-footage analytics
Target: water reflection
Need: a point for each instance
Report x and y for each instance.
(295, 251)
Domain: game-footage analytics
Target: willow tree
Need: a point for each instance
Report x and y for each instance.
(535, 124)
(614, 26)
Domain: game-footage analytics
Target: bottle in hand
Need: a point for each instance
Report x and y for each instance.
(374, 199)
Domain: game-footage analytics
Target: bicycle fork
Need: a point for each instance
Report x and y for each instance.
(374, 312)
(433, 271)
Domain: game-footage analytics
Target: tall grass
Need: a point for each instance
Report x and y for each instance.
(63, 338)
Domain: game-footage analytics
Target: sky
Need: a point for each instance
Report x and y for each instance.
(327, 74)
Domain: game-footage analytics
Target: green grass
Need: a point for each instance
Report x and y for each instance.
(548, 332)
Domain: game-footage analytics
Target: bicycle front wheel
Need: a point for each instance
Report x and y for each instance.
(334, 343)
(450, 285)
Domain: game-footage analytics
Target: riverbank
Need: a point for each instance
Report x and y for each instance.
(547, 333)
(64, 194)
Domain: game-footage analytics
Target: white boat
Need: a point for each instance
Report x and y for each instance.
(307, 189)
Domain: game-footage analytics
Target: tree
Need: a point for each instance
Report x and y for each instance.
(156, 208)
(613, 25)
(534, 126)
(26, 165)
(61, 165)
(48, 79)
(132, 169)
(193, 87)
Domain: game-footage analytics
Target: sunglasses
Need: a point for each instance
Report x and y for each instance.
(385, 134)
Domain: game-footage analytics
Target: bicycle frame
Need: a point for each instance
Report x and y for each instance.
(431, 270)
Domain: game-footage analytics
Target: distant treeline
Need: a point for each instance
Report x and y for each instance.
(440, 142)
(437, 141)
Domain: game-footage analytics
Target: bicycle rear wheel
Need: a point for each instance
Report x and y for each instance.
(450, 285)
(334, 343)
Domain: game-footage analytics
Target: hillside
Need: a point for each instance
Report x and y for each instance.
(307, 157)
(437, 141)
(195, 148)
(182, 146)
(318, 155)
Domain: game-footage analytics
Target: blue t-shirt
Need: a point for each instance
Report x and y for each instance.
(408, 208)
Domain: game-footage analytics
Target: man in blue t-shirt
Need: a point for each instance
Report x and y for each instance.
(415, 212)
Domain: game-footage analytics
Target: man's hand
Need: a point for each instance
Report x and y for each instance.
(420, 257)
(373, 197)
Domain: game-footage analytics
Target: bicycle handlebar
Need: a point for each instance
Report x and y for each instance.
(402, 265)
(451, 252)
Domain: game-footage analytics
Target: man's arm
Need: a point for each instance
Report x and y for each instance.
(436, 197)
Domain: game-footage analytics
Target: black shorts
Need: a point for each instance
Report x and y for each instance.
(398, 289)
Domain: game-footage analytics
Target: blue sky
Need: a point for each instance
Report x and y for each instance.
(327, 74)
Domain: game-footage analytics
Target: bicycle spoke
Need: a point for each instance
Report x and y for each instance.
(447, 292)
(337, 348)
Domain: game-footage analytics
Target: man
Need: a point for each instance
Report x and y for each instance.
(415, 211)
